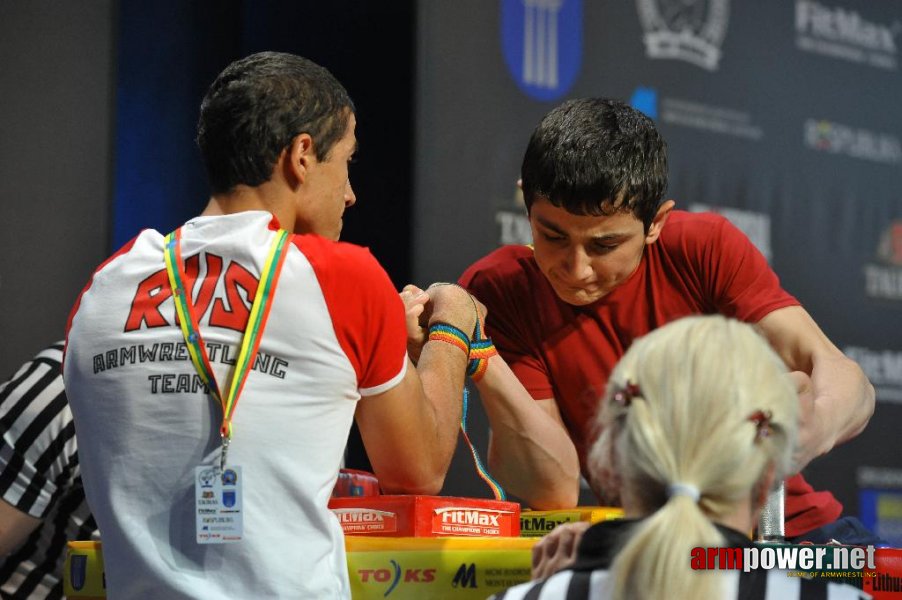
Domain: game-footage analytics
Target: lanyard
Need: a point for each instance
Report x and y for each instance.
(250, 342)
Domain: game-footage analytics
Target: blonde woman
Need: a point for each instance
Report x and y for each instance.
(698, 422)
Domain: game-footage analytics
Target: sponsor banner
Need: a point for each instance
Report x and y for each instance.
(426, 516)
(696, 115)
(542, 44)
(842, 33)
(831, 137)
(883, 280)
(689, 31)
(536, 523)
(438, 573)
(355, 521)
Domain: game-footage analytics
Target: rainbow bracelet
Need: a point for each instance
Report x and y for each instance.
(445, 332)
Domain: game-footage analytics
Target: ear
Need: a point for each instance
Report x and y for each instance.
(657, 224)
(300, 157)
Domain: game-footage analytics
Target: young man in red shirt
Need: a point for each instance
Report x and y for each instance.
(612, 260)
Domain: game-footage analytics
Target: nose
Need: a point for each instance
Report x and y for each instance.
(350, 197)
(577, 264)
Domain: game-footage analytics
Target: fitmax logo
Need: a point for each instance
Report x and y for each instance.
(465, 576)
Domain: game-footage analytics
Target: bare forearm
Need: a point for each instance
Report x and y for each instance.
(530, 453)
(442, 372)
(844, 397)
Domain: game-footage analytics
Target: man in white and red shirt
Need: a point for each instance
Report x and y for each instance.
(276, 133)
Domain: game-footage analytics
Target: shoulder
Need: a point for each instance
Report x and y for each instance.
(339, 258)
(506, 267)
(685, 226)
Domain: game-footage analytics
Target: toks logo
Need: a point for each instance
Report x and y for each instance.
(393, 576)
(155, 290)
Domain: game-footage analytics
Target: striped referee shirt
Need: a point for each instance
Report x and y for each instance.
(39, 475)
(590, 578)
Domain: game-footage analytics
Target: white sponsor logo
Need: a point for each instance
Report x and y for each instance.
(689, 30)
(844, 34)
(485, 518)
(715, 119)
(836, 138)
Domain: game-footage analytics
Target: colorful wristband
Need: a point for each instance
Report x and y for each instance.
(445, 332)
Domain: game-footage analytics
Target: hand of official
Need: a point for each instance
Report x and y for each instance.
(557, 550)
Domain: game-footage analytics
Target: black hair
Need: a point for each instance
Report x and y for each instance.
(595, 157)
(257, 106)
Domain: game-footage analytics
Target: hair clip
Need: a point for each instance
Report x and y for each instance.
(624, 396)
(761, 419)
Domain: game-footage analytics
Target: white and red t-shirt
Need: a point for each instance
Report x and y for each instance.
(701, 264)
(144, 422)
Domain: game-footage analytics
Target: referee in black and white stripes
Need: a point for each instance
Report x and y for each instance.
(43, 501)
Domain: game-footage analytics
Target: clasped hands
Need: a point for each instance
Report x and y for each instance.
(440, 302)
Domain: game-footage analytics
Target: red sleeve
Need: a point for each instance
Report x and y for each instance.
(738, 278)
(498, 281)
(367, 312)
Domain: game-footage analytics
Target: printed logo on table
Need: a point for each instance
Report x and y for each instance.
(465, 576)
(845, 34)
(688, 30)
(390, 577)
(541, 41)
(883, 278)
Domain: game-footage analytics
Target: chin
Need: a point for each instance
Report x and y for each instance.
(579, 297)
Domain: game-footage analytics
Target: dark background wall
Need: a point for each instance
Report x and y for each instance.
(791, 130)
(57, 84)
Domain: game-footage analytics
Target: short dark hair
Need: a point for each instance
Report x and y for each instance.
(257, 106)
(596, 156)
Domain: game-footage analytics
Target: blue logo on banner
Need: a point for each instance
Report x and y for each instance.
(542, 44)
(645, 100)
(228, 498)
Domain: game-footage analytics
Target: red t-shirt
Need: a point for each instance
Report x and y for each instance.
(701, 264)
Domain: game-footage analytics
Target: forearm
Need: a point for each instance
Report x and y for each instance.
(843, 396)
(442, 370)
(529, 453)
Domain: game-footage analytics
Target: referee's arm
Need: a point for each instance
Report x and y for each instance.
(15, 526)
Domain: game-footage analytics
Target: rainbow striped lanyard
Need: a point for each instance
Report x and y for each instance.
(250, 342)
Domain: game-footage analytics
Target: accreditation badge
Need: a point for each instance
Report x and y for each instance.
(217, 501)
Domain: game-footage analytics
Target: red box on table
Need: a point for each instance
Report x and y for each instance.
(426, 516)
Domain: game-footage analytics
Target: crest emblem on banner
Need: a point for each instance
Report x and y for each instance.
(228, 498)
(542, 44)
(689, 30)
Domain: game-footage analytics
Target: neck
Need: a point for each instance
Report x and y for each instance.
(244, 198)
(742, 517)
